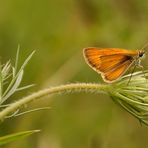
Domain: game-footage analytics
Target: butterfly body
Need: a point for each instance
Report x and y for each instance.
(112, 63)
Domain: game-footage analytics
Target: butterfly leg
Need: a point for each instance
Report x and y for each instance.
(131, 74)
(142, 69)
(140, 66)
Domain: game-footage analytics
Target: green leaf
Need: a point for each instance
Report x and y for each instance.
(16, 77)
(13, 137)
(15, 86)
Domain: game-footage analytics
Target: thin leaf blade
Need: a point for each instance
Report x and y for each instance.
(12, 137)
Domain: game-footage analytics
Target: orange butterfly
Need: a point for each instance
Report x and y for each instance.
(112, 63)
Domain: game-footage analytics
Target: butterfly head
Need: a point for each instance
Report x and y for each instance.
(141, 53)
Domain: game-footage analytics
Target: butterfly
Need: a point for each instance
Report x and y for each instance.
(112, 63)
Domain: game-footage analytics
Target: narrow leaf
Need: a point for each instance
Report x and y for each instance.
(13, 137)
(14, 87)
(16, 61)
(26, 61)
(25, 87)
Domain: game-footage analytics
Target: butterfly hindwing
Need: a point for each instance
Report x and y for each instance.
(117, 72)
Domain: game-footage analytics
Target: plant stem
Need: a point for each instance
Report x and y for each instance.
(68, 88)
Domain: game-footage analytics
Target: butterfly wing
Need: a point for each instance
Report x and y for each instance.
(109, 61)
(117, 72)
(109, 51)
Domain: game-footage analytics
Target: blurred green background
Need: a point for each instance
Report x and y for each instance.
(58, 30)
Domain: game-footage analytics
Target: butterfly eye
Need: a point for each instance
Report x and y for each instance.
(141, 53)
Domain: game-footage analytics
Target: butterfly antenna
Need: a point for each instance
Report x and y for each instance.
(131, 74)
(145, 45)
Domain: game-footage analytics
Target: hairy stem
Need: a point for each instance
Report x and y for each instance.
(68, 88)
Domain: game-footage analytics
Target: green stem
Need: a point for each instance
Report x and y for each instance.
(78, 87)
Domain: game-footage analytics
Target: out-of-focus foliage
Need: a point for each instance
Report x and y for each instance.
(58, 30)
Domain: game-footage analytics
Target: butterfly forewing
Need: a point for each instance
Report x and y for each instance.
(109, 51)
(112, 63)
